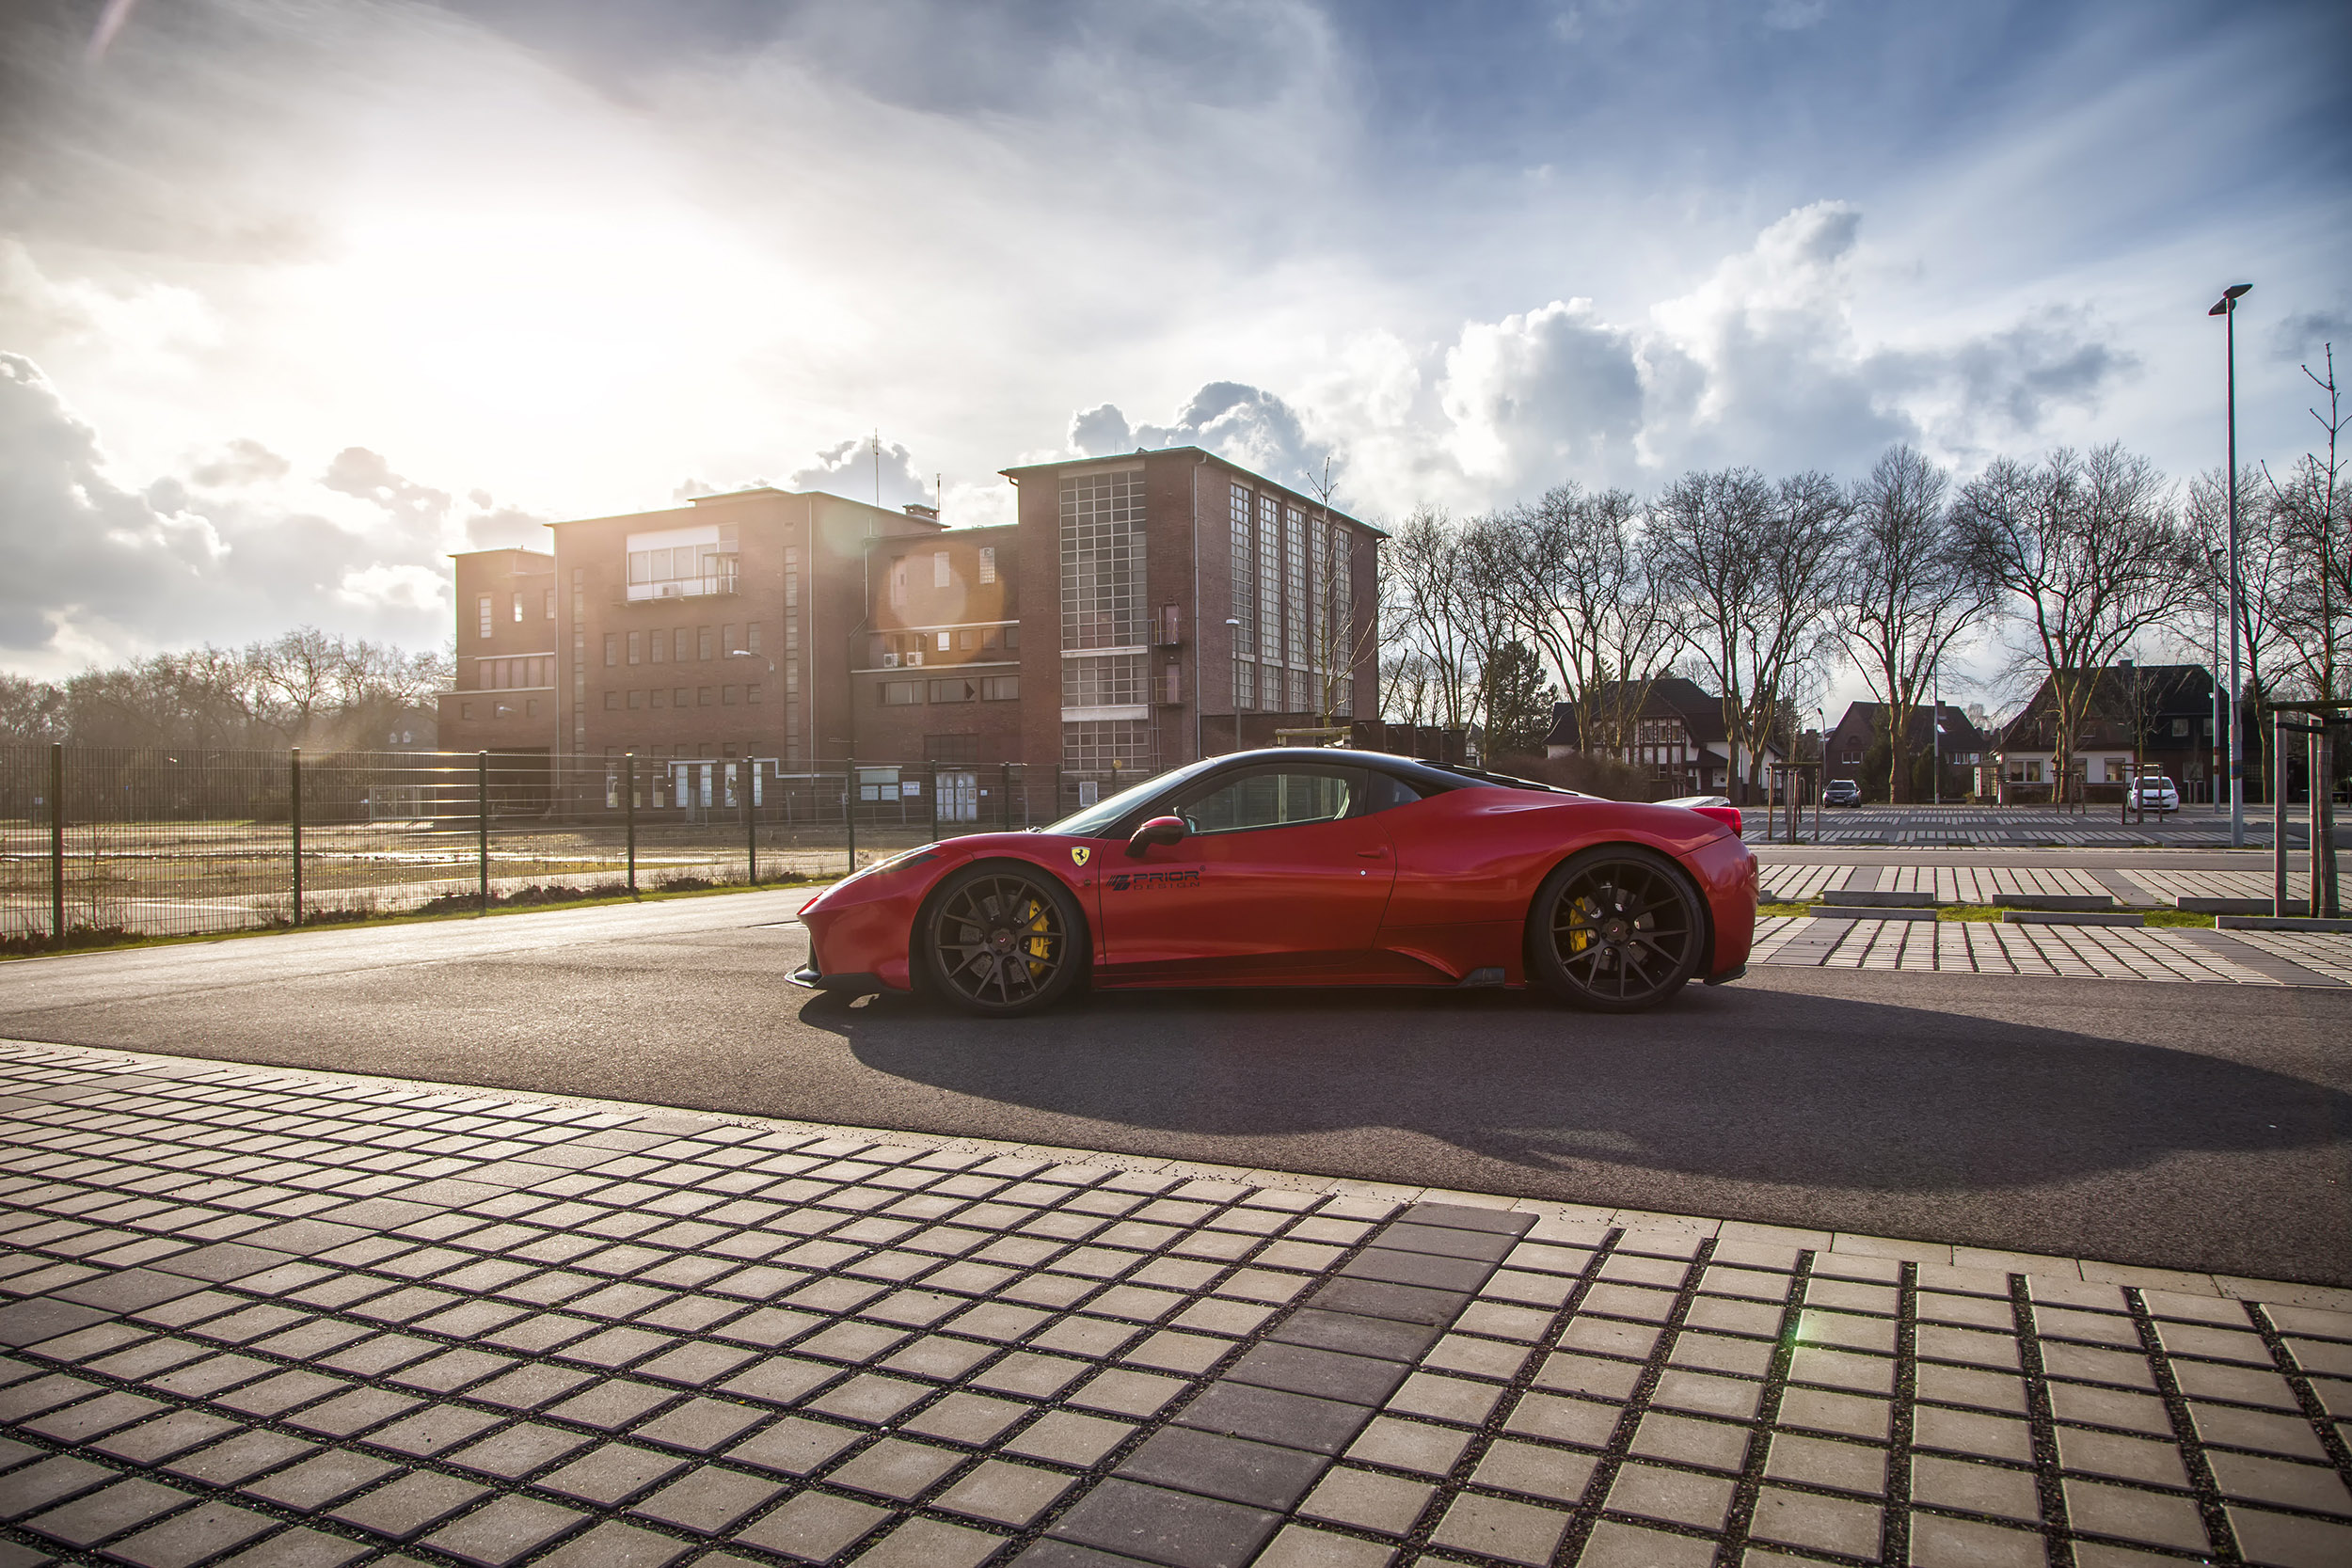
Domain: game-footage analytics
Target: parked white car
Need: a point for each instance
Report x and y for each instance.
(2156, 794)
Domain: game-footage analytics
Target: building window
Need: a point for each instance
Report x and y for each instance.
(518, 609)
(465, 710)
(727, 639)
(1269, 616)
(940, 577)
(1295, 596)
(899, 693)
(612, 702)
(483, 605)
(702, 696)
(1104, 746)
(752, 692)
(751, 636)
(656, 641)
(694, 568)
(1103, 560)
(727, 695)
(661, 697)
(636, 650)
(702, 641)
(1113, 682)
(1000, 689)
(954, 691)
(681, 696)
(1245, 682)
(636, 700)
(987, 564)
(530, 707)
(2179, 727)
(611, 649)
(899, 583)
(952, 751)
(943, 642)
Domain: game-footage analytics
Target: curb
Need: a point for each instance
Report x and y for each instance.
(1828, 912)
(2056, 901)
(2223, 906)
(1863, 900)
(2279, 923)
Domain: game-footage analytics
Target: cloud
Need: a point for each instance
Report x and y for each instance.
(1246, 424)
(243, 461)
(2301, 336)
(849, 469)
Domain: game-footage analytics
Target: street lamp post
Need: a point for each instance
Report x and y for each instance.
(2226, 308)
(2213, 738)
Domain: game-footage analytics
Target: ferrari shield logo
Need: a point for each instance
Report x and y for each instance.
(1080, 854)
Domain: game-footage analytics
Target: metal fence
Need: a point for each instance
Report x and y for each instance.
(100, 843)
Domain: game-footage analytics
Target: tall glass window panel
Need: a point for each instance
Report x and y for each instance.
(1269, 578)
(1103, 587)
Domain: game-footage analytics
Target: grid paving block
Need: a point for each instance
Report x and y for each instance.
(51, 1480)
(1824, 1524)
(2232, 1427)
(248, 1453)
(1608, 1336)
(1028, 1373)
(431, 1430)
(1261, 1474)
(1562, 1419)
(700, 1425)
(1840, 1467)
(2248, 1477)
(519, 1450)
(897, 1469)
(1368, 1499)
(2107, 1453)
(793, 1447)
(613, 1474)
(159, 1439)
(1273, 1416)
(2131, 1513)
(1415, 1446)
(1180, 1529)
(192, 1537)
(2284, 1541)
(91, 1418)
(503, 1529)
(869, 1398)
(1445, 1399)
(1570, 1372)
(614, 1545)
(1975, 1488)
(317, 1482)
(780, 1380)
(814, 1526)
(1067, 1437)
(1704, 1394)
(1126, 1393)
(1534, 1471)
(1014, 1495)
(111, 1511)
(348, 1414)
(1615, 1545)
(1672, 1496)
(409, 1506)
(1501, 1528)
(1402, 1302)
(920, 1543)
(612, 1404)
(961, 1417)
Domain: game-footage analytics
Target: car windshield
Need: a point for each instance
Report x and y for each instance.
(1094, 820)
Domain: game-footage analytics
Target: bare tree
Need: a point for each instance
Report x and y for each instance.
(1437, 614)
(2268, 570)
(1912, 592)
(1574, 572)
(1758, 569)
(2087, 554)
(2312, 513)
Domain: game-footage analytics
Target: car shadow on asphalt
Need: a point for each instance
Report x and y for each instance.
(1745, 1086)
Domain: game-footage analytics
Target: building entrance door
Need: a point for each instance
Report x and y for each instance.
(959, 797)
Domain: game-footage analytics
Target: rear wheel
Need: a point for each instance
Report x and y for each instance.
(1615, 929)
(1001, 940)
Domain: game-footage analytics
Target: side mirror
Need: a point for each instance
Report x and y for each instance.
(1158, 830)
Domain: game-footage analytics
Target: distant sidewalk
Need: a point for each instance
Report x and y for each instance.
(259, 1316)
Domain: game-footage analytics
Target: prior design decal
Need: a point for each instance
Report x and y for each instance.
(1080, 854)
(1191, 877)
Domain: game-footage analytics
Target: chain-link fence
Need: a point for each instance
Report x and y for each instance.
(97, 844)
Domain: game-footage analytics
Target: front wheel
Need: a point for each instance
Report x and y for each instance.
(1615, 929)
(1002, 940)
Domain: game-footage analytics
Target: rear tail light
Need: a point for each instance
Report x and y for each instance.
(1727, 816)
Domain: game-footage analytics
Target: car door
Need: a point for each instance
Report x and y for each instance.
(1283, 873)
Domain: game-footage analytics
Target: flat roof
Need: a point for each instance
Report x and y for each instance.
(1317, 503)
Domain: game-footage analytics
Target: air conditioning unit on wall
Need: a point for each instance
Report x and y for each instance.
(890, 661)
(913, 659)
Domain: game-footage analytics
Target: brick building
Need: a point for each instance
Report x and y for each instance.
(1140, 612)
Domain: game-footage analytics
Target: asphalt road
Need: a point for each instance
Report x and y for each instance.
(2201, 1127)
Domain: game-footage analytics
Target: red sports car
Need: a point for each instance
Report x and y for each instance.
(1305, 868)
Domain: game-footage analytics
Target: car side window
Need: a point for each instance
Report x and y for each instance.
(1274, 797)
(1384, 790)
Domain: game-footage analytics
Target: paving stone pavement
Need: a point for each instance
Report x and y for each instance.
(269, 1318)
(2078, 952)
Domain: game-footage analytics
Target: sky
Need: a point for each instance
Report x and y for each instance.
(298, 296)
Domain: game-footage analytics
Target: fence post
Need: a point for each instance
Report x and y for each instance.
(934, 802)
(293, 816)
(481, 829)
(1004, 797)
(750, 824)
(2278, 780)
(848, 807)
(56, 844)
(628, 814)
(2318, 816)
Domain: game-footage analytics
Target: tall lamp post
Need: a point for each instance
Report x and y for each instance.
(2213, 738)
(2226, 308)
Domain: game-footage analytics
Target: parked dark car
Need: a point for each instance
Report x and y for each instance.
(1842, 792)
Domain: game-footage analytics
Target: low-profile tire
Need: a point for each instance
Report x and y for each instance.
(1001, 940)
(1615, 929)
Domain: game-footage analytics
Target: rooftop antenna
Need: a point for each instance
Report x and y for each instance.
(878, 465)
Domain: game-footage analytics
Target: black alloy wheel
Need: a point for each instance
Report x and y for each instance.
(1001, 940)
(1615, 929)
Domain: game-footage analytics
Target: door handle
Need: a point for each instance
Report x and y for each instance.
(1371, 854)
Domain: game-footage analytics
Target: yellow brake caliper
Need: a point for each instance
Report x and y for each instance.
(1039, 943)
